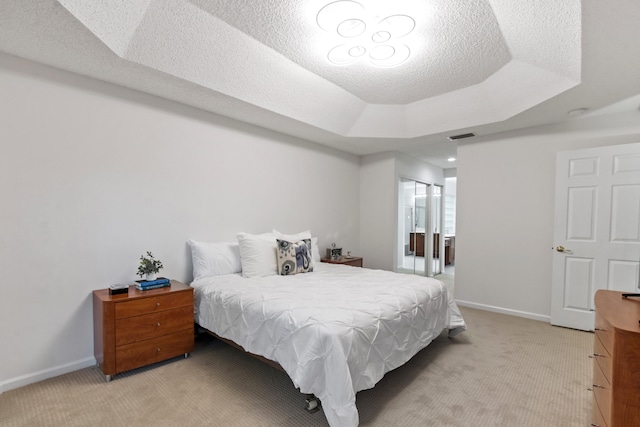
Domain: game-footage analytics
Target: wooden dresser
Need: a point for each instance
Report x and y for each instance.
(616, 370)
(141, 327)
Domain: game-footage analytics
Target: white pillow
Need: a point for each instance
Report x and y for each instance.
(258, 254)
(315, 251)
(214, 259)
(293, 237)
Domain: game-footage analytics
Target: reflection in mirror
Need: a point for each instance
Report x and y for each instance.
(413, 253)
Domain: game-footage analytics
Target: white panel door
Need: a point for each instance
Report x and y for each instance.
(596, 230)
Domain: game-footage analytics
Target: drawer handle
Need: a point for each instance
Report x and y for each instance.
(158, 324)
(157, 304)
(158, 349)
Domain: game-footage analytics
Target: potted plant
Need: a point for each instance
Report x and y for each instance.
(149, 266)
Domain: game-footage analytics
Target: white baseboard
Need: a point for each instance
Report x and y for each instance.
(508, 311)
(35, 377)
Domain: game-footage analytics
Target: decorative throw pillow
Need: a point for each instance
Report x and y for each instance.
(294, 257)
(315, 250)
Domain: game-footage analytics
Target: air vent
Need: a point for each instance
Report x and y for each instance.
(461, 136)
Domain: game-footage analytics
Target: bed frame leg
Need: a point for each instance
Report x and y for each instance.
(312, 403)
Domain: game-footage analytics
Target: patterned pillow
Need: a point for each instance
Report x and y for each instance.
(294, 257)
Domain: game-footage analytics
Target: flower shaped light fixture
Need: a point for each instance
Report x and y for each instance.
(364, 33)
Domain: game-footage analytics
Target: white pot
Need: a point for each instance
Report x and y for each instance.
(151, 276)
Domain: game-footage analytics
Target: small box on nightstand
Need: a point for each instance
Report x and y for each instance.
(118, 289)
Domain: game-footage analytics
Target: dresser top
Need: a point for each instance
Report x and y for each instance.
(622, 314)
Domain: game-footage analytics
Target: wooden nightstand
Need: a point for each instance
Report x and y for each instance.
(141, 327)
(353, 261)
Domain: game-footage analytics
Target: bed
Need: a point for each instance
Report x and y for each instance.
(335, 330)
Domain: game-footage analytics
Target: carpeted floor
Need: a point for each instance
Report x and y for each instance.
(503, 371)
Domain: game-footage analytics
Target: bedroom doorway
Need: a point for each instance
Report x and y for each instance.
(596, 230)
(415, 249)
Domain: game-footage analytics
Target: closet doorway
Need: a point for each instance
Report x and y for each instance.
(419, 213)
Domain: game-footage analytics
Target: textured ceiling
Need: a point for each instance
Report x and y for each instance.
(480, 65)
(459, 44)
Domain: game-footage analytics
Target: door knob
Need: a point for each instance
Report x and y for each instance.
(561, 248)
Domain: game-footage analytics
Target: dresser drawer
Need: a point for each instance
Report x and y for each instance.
(153, 304)
(140, 328)
(597, 419)
(135, 355)
(604, 332)
(602, 393)
(603, 358)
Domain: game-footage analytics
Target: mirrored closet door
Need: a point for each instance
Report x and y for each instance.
(422, 246)
(437, 262)
(413, 247)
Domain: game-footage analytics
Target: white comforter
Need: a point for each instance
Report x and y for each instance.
(335, 331)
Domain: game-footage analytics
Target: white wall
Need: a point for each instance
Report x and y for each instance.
(449, 224)
(408, 167)
(92, 175)
(379, 206)
(377, 210)
(505, 205)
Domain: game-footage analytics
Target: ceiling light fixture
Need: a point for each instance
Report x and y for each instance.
(451, 159)
(361, 31)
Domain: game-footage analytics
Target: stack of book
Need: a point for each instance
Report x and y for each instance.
(160, 282)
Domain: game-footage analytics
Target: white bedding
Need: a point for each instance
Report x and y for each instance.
(335, 331)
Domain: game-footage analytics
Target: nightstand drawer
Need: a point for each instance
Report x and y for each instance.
(153, 304)
(143, 353)
(140, 328)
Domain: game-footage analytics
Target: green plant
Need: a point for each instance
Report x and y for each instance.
(148, 264)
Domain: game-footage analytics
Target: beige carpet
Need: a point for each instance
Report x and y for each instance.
(503, 371)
